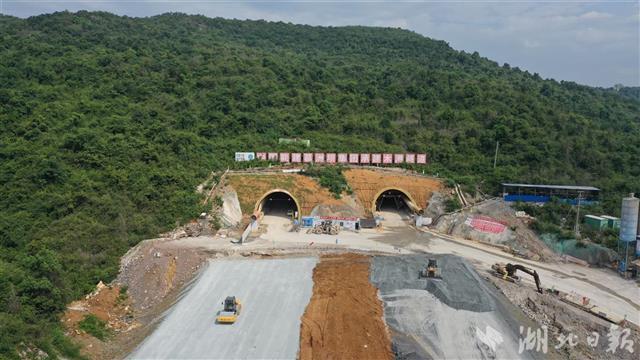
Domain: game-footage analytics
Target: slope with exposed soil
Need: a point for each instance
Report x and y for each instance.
(344, 319)
(367, 184)
(516, 233)
(109, 304)
(252, 187)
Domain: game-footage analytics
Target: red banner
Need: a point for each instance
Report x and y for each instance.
(410, 158)
(484, 225)
(307, 157)
(339, 218)
(344, 158)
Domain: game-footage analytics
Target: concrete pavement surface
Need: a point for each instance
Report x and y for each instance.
(274, 294)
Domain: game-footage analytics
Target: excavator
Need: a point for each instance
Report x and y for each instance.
(229, 314)
(508, 272)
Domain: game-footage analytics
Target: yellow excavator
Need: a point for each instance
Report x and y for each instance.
(508, 272)
(229, 314)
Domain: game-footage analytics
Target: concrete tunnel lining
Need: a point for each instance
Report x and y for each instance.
(409, 201)
(259, 207)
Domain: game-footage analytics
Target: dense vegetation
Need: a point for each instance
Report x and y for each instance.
(108, 123)
(559, 218)
(94, 326)
(330, 177)
(631, 92)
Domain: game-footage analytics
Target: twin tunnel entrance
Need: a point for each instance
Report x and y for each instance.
(281, 203)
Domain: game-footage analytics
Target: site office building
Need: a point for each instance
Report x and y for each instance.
(345, 222)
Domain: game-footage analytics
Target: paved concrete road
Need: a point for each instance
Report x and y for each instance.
(274, 294)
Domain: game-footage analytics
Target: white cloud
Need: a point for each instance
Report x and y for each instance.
(592, 35)
(595, 15)
(392, 23)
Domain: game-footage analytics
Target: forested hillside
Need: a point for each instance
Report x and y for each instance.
(108, 123)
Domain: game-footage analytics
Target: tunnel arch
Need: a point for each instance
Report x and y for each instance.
(276, 194)
(409, 201)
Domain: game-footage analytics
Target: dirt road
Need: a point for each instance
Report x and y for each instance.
(344, 319)
(274, 294)
(278, 235)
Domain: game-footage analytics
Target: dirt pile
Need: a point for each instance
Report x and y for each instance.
(343, 320)
(107, 303)
(516, 234)
(336, 210)
(151, 271)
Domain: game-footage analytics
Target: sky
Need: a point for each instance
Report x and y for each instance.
(590, 42)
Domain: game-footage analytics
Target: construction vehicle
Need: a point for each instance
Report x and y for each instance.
(508, 272)
(325, 227)
(229, 314)
(431, 271)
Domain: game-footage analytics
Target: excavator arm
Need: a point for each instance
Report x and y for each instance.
(511, 269)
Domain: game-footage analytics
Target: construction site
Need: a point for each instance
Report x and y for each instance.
(282, 268)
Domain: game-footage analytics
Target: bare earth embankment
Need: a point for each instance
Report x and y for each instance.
(344, 317)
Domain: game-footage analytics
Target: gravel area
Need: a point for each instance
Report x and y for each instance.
(448, 318)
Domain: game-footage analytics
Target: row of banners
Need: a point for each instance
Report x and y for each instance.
(334, 158)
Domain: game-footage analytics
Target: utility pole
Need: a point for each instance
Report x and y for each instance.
(577, 227)
(495, 158)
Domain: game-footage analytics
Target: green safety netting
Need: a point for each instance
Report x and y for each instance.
(592, 253)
